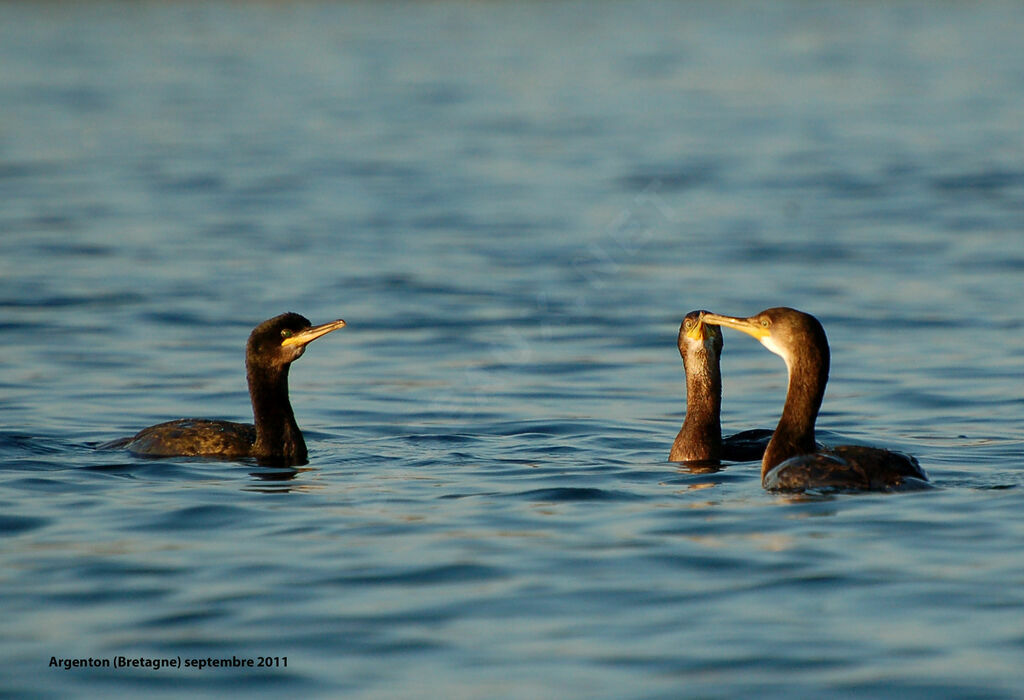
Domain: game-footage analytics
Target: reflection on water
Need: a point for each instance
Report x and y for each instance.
(513, 205)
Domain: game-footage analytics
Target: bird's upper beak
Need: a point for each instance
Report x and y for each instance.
(750, 326)
(303, 338)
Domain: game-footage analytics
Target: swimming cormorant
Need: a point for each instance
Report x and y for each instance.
(275, 438)
(792, 461)
(700, 438)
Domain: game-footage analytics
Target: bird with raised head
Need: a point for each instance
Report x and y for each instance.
(274, 437)
(793, 461)
(700, 438)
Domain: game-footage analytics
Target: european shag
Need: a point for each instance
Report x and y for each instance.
(700, 438)
(792, 460)
(275, 438)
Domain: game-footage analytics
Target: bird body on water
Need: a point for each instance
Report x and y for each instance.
(700, 438)
(275, 436)
(792, 460)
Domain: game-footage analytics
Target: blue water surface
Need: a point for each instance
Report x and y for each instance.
(513, 205)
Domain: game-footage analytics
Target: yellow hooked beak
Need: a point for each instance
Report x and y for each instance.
(307, 336)
(751, 326)
(697, 332)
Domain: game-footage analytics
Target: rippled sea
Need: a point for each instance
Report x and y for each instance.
(513, 205)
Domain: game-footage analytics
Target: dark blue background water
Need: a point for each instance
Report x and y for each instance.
(513, 205)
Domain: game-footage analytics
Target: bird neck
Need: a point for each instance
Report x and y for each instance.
(700, 438)
(277, 434)
(794, 434)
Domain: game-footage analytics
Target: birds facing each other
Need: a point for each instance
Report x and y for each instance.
(792, 461)
(700, 438)
(274, 438)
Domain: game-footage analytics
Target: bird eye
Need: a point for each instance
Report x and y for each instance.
(286, 333)
(765, 322)
(688, 323)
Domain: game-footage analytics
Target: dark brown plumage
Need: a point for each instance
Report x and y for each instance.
(275, 438)
(700, 438)
(792, 460)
